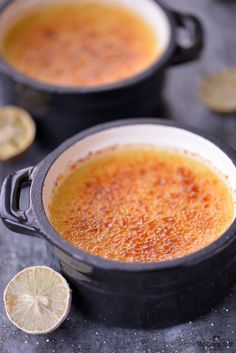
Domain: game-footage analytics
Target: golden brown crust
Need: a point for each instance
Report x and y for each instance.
(81, 45)
(141, 205)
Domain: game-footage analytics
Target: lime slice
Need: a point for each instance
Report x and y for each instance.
(218, 92)
(37, 300)
(17, 132)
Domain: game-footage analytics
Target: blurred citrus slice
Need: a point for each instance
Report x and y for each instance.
(218, 91)
(17, 132)
(37, 300)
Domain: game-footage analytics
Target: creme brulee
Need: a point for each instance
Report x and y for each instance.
(84, 44)
(139, 204)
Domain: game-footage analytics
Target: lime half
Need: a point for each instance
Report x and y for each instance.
(218, 92)
(37, 300)
(17, 132)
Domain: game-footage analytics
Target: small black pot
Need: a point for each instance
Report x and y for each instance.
(126, 294)
(61, 111)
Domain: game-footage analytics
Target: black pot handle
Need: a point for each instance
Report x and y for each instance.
(15, 219)
(190, 26)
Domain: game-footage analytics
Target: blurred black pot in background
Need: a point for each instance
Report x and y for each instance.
(62, 111)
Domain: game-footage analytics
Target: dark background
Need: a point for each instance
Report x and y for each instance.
(182, 102)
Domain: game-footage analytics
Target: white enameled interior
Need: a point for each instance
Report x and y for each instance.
(147, 9)
(158, 135)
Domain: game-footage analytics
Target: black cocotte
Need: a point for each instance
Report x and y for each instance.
(62, 111)
(127, 294)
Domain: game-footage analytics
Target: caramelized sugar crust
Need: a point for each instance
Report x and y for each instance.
(138, 204)
(81, 44)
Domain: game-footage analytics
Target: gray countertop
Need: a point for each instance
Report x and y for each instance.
(218, 328)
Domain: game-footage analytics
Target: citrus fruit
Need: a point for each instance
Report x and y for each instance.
(218, 92)
(37, 300)
(17, 132)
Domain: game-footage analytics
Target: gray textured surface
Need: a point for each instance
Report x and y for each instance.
(183, 104)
